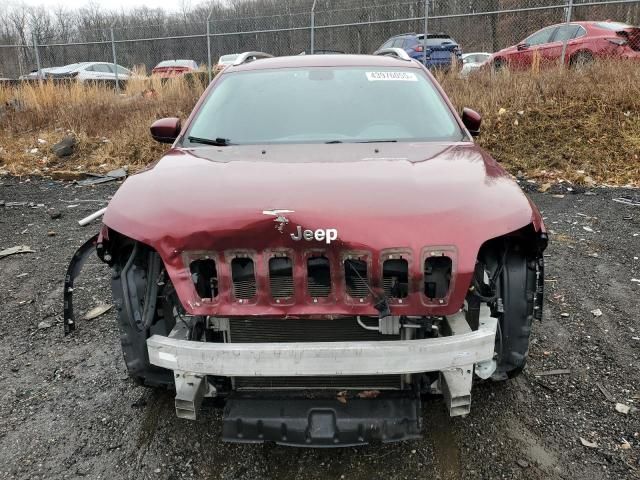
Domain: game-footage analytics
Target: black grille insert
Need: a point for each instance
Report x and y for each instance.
(345, 329)
(281, 277)
(339, 382)
(318, 277)
(437, 276)
(205, 277)
(355, 277)
(395, 278)
(244, 278)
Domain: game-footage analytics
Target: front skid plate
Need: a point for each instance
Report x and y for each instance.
(321, 423)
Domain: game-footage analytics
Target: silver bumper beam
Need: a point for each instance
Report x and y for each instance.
(323, 358)
(460, 353)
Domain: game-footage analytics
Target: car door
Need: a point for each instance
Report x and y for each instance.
(106, 71)
(522, 57)
(576, 42)
(551, 52)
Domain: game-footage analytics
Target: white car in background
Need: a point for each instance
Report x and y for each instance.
(84, 71)
(473, 61)
(225, 60)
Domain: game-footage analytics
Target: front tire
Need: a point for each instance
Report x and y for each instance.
(517, 289)
(581, 60)
(142, 310)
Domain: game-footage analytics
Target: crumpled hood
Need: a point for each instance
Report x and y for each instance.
(377, 197)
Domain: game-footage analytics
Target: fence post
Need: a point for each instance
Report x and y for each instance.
(209, 67)
(567, 21)
(313, 26)
(115, 60)
(37, 54)
(426, 29)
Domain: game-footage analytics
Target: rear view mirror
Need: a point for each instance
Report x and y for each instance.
(472, 121)
(166, 130)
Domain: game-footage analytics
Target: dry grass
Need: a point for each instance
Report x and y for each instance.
(112, 130)
(579, 126)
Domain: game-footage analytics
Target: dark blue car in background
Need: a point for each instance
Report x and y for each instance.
(440, 48)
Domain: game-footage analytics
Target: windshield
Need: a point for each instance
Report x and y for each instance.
(320, 105)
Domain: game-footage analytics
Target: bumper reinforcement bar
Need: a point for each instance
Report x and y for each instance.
(457, 357)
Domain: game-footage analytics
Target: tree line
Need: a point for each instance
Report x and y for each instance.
(144, 36)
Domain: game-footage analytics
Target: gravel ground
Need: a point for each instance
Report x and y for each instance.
(68, 409)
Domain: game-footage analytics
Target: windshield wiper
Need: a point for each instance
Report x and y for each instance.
(217, 142)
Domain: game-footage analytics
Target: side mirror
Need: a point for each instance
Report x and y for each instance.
(522, 46)
(472, 121)
(166, 130)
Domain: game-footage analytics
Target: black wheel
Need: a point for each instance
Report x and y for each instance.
(142, 310)
(499, 64)
(516, 287)
(581, 60)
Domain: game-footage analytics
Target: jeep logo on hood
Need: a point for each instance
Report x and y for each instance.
(327, 235)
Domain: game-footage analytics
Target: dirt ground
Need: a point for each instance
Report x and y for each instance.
(68, 409)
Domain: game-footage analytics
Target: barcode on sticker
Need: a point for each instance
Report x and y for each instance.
(392, 76)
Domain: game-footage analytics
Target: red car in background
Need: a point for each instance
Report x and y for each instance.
(585, 42)
(174, 68)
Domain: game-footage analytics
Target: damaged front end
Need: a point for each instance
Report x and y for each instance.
(322, 322)
(352, 376)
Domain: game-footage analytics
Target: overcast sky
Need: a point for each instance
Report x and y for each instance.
(169, 5)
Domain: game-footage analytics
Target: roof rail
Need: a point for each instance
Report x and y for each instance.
(393, 52)
(247, 57)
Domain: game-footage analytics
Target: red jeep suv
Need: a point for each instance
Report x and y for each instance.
(323, 244)
(585, 41)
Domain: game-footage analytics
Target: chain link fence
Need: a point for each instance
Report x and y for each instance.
(349, 26)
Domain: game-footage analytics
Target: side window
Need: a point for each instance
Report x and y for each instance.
(541, 37)
(397, 43)
(581, 32)
(388, 44)
(410, 42)
(123, 71)
(90, 69)
(102, 68)
(565, 33)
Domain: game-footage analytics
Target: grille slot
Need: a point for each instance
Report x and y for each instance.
(204, 276)
(243, 277)
(395, 278)
(355, 276)
(281, 277)
(437, 276)
(318, 277)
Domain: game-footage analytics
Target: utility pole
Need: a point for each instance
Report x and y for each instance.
(35, 48)
(313, 26)
(115, 60)
(209, 67)
(426, 30)
(567, 21)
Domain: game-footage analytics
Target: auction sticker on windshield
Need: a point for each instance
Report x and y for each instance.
(392, 76)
